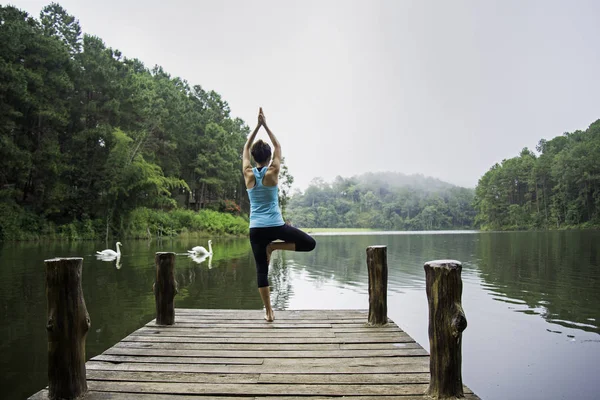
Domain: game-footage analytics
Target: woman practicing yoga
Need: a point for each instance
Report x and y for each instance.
(266, 222)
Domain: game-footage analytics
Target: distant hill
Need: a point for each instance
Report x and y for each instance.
(383, 200)
(399, 180)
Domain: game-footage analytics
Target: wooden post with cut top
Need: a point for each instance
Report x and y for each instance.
(447, 321)
(68, 324)
(165, 288)
(378, 277)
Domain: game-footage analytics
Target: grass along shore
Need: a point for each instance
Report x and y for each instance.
(141, 223)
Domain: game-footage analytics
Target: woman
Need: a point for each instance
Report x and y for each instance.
(266, 222)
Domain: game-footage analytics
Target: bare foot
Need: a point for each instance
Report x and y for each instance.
(269, 315)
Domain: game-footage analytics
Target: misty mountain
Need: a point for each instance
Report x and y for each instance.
(383, 200)
(400, 180)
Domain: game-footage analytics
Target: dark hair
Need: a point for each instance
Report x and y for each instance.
(261, 152)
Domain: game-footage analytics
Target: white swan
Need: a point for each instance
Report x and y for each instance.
(201, 250)
(111, 253)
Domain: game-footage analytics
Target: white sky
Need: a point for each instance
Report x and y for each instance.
(442, 88)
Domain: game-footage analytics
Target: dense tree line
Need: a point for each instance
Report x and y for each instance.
(383, 201)
(87, 135)
(559, 188)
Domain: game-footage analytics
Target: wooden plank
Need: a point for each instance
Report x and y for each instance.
(257, 325)
(347, 339)
(296, 368)
(237, 332)
(300, 362)
(217, 354)
(371, 330)
(282, 332)
(363, 379)
(380, 346)
(318, 314)
(230, 346)
(267, 347)
(468, 396)
(100, 375)
(232, 327)
(370, 335)
(187, 360)
(257, 378)
(188, 323)
(399, 352)
(248, 321)
(93, 395)
(367, 361)
(283, 314)
(270, 389)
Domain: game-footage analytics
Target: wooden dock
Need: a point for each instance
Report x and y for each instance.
(235, 354)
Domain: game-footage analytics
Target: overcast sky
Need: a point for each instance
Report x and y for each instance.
(442, 88)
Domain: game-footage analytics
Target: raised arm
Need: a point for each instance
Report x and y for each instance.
(246, 165)
(276, 162)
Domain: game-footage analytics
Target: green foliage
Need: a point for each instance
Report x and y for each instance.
(18, 224)
(87, 136)
(389, 201)
(558, 189)
(144, 221)
(285, 184)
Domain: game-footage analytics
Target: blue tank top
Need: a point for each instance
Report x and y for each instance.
(264, 203)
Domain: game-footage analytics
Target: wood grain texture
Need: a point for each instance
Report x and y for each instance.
(378, 277)
(165, 288)
(447, 321)
(67, 325)
(235, 354)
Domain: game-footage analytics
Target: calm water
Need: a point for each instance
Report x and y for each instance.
(532, 300)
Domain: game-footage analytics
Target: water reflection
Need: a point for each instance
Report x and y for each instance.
(280, 280)
(116, 259)
(554, 275)
(199, 259)
(524, 292)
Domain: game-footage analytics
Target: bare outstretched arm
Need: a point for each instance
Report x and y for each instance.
(246, 165)
(276, 162)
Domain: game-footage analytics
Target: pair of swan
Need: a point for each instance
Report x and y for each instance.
(197, 253)
(198, 250)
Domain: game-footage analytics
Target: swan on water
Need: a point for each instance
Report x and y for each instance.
(201, 250)
(111, 253)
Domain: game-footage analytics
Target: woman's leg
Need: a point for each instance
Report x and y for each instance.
(265, 295)
(259, 240)
(293, 240)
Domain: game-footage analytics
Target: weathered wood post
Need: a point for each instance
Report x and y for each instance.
(378, 277)
(68, 325)
(165, 288)
(447, 321)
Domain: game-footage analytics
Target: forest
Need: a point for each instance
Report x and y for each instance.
(387, 201)
(93, 143)
(557, 189)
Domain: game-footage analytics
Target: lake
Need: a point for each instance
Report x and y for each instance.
(532, 299)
